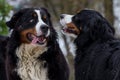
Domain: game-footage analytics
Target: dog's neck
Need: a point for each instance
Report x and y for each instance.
(83, 41)
(30, 50)
(29, 67)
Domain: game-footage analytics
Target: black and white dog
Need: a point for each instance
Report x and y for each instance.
(32, 51)
(98, 52)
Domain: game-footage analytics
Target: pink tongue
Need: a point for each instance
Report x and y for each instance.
(41, 39)
(35, 39)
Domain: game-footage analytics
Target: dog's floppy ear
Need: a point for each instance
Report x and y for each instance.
(11, 24)
(100, 28)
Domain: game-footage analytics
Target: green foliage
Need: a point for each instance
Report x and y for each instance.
(4, 11)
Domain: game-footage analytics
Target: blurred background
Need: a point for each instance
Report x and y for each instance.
(108, 8)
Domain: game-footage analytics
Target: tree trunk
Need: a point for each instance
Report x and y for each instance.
(108, 4)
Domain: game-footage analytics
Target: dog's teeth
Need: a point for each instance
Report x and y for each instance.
(44, 40)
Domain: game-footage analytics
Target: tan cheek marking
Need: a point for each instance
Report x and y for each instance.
(44, 17)
(34, 14)
(73, 27)
(23, 34)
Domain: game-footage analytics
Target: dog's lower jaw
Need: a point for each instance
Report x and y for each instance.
(69, 34)
(28, 66)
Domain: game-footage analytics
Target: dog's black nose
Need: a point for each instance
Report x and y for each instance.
(44, 28)
(61, 16)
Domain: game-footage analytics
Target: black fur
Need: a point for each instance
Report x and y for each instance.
(57, 65)
(98, 52)
(3, 43)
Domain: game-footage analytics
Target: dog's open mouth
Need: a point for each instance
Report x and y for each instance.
(69, 30)
(37, 39)
(66, 29)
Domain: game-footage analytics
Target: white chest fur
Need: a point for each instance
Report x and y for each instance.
(28, 66)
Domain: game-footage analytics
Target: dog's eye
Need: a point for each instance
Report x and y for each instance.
(44, 17)
(34, 14)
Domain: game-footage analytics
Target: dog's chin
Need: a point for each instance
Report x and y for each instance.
(37, 40)
(67, 32)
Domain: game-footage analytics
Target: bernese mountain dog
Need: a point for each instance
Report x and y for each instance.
(32, 51)
(97, 52)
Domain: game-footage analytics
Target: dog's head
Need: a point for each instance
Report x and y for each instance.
(69, 28)
(86, 22)
(33, 25)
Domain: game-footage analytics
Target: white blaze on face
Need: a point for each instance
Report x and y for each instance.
(67, 19)
(39, 23)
